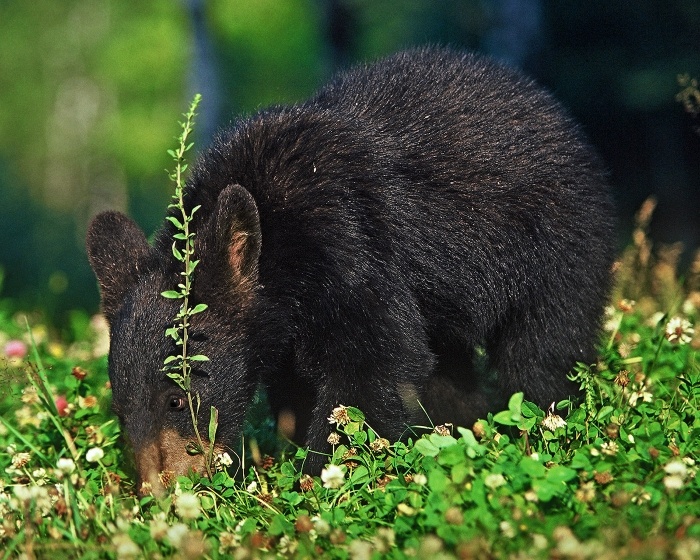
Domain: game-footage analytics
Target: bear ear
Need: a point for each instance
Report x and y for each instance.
(117, 250)
(236, 233)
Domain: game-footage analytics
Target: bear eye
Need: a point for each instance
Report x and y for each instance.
(176, 402)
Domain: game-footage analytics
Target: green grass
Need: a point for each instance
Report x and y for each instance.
(611, 477)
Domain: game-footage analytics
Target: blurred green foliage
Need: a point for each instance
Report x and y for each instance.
(90, 91)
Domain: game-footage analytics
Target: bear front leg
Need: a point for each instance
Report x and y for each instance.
(379, 398)
(382, 377)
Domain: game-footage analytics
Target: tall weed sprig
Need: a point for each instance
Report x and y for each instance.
(179, 366)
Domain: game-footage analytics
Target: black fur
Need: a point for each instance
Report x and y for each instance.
(357, 247)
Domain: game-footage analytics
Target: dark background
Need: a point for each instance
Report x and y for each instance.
(91, 91)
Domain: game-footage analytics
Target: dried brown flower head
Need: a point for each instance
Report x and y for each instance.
(603, 478)
(306, 483)
(379, 445)
(79, 373)
(443, 429)
(339, 416)
(622, 378)
(333, 438)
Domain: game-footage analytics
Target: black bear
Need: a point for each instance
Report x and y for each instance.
(357, 247)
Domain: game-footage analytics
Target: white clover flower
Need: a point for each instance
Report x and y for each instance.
(655, 319)
(539, 541)
(228, 542)
(321, 526)
(553, 421)
(39, 476)
(176, 534)
(609, 448)
(688, 307)
(286, 545)
(384, 540)
(586, 492)
(224, 459)
(612, 319)
(679, 331)
(676, 472)
(38, 494)
(29, 396)
(494, 480)
(65, 465)
(125, 547)
(673, 482)
(641, 497)
(360, 550)
(22, 493)
(188, 506)
(677, 468)
(333, 476)
(252, 487)
(641, 395)
(20, 460)
(531, 496)
(158, 528)
(94, 455)
(507, 529)
(420, 479)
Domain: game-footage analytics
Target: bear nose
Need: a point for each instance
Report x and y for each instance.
(162, 459)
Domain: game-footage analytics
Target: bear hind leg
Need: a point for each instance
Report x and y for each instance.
(534, 351)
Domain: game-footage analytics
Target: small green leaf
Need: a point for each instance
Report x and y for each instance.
(604, 412)
(531, 410)
(176, 253)
(171, 294)
(504, 417)
(213, 423)
(426, 447)
(355, 414)
(441, 441)
(359, 475)
(352, 427)
(173, 332)
(359, 438)
(177, 378)
(199, 308)
(515, 403)
(193, 448)
(193, 265)
(292, 498)
(532, 468)
(280, 526)
(560, 474)
(173, 220)
(198, 358)
(452, 455)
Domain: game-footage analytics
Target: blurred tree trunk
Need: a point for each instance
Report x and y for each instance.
(339, 31)
(204, 75)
